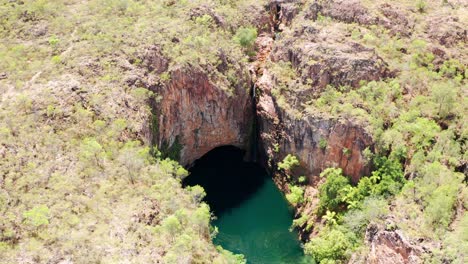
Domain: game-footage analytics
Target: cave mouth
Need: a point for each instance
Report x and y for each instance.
(252, 216)
(228, 180)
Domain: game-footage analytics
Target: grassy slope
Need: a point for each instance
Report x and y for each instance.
(78, 182)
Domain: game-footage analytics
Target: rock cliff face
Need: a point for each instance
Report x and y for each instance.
(388, 246)
(318, 142)
(196, 115)
(194, 109)
(318, 58)
(389, 16)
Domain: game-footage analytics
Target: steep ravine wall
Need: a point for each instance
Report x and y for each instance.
(281, 133)
(195, 115)
(318, 142)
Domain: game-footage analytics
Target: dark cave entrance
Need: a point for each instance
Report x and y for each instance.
(227, 178)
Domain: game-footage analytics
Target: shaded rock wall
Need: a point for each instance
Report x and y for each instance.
(195, 115)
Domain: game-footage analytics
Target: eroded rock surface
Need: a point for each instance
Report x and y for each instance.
(196, 115)
(319, 57)
(389, 246)
(390, 16)
(318, 142)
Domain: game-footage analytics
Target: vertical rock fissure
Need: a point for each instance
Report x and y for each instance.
(255, 131)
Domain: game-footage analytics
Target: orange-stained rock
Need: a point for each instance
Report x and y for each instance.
(388, 246)
(200, 116)
(306, 138)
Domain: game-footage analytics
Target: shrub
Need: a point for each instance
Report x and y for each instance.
(373, 210)
(302, 179)
(37, 216)
(296, 196)
(438, 211)
(388, 179)
(300, 221)
(323, 143)
(229, 257)
(276, 147)
(330, 192)
(346, 151)
(421, 6)
(289, 162)
(246, 36)
(330, 245)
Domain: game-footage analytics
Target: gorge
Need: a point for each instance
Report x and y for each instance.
(250, 213)
(233, 131)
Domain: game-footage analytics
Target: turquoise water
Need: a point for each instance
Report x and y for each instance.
(253, 217)
(258, 228)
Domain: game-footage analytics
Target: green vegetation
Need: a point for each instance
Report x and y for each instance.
(421, 126)
(77, 170)
(246, 38)
(288, 163)
(417, 118)
(296, 195)
(73, 121)
(421, 6)
(173, 151)
(331, 246)
(323, 143)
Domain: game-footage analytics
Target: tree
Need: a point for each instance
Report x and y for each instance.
(330, 245)
(37, 216)
(444, 96)
(132, 162)
(172, 225)
(289, 162)
(296, 196)
(92, 151)
(330, 192)
(246, 36)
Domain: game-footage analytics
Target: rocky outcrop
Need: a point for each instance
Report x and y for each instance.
(389, 246)
(389, 16)
(447, 30)
(284, 11)
(196, 115)
(203, 10)
(318, 142)
(338, 64)
(319, 58)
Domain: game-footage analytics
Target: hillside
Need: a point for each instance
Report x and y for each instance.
(81, 181)
(358, 109)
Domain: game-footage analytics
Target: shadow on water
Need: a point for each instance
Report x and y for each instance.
(253, 217)
(228, 180)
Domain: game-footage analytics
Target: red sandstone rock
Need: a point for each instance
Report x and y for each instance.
(388, 247)
(201, 115)
(301, 137)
